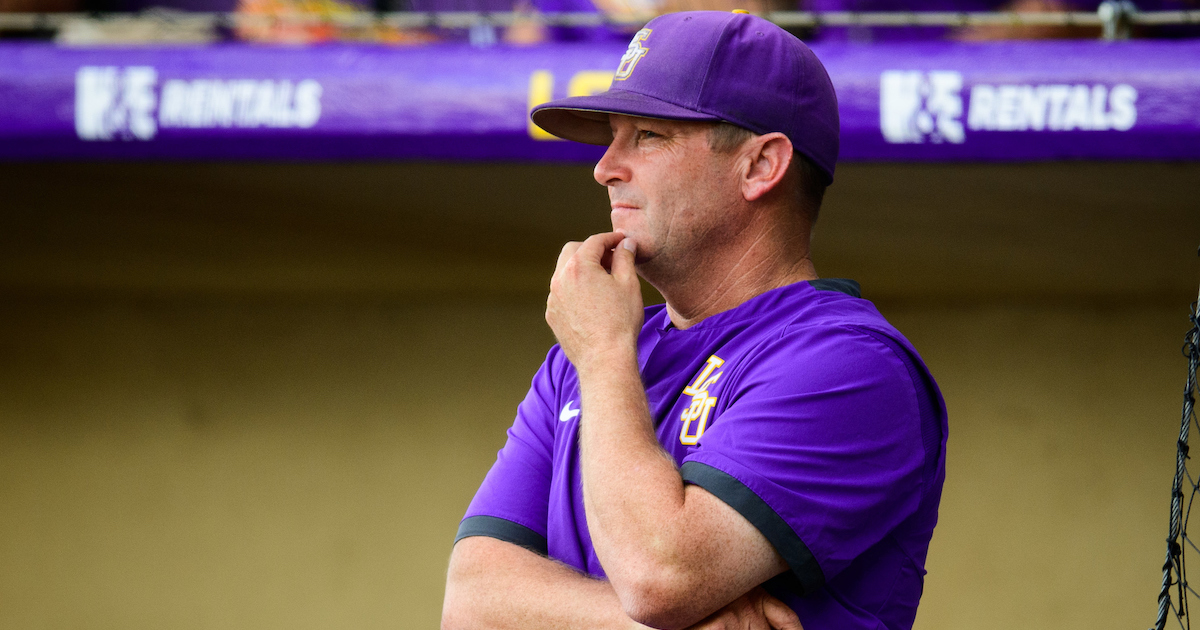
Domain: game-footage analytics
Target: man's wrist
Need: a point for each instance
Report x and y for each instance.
(607, 362)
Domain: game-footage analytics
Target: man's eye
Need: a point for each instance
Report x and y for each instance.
(646, 134)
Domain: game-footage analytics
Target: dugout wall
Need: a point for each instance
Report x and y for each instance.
(261, 395)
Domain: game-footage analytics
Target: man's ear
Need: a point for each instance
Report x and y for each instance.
(768, 158)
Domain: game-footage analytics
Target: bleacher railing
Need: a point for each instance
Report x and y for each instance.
(1115, 18)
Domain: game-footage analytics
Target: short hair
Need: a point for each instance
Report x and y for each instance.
(725, 137)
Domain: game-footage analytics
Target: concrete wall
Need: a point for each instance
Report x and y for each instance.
(240, 396)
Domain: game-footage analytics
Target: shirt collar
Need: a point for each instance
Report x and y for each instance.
(790, 295)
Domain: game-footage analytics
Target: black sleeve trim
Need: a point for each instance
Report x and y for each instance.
(502, 529)
(806, 575)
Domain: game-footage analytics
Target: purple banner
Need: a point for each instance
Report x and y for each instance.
(899, 101)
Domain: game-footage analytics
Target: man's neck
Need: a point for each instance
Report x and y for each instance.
(724, 280)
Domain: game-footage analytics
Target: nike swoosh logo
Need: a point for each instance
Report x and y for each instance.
(567, 414)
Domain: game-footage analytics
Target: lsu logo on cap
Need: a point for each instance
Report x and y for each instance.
(632, 55)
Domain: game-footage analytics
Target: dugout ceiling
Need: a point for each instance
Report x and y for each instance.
(1098, 232)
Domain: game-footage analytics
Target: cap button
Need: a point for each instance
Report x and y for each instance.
(740, 11)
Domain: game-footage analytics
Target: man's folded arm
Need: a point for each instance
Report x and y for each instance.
(674, 552)
(499, 585)
(705, 556)
(500, 578)
(494, 583)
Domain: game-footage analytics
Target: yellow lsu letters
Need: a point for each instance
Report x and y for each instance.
(702, 403)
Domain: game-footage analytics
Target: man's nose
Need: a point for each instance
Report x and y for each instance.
(612, 167)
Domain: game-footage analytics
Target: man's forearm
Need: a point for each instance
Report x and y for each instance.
(495, 584)
(673, 553)
(632, 489)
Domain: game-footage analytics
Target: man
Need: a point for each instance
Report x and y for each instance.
(765, 450)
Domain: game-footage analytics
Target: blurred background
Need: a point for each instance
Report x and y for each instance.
(253, 366)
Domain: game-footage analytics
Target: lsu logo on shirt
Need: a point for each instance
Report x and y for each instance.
(632, 55)
(695, 417)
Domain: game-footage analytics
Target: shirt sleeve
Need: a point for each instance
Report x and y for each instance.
(512, 502)
(819, 446)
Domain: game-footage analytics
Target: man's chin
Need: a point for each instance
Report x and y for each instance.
(644, 255)
(644, 248)
(629, 229)
(627, 220)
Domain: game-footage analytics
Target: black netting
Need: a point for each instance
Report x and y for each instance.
(1175, 597)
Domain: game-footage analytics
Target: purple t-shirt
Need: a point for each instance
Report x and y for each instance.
(802, 408)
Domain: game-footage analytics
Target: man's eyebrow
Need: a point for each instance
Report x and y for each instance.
(661, 126)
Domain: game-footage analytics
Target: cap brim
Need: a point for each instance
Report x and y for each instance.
(585, 118)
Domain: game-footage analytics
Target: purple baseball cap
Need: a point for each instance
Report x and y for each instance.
(712, 65)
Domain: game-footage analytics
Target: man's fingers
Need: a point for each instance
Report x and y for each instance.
(779, 615)
(623, 260)
(596, 245)
(606, 260)
(595, 248)
(567, 252)
(598, 249)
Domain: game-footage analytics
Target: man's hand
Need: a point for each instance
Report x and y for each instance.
(755, 610)
(595, 303)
